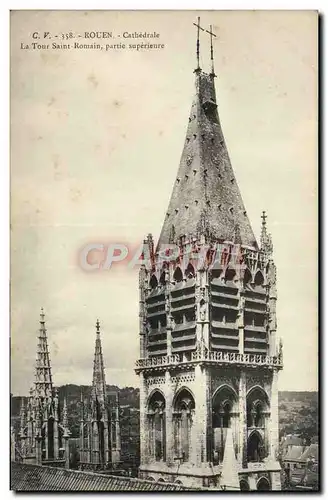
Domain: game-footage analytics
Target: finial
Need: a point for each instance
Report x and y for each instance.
(98, 326)
(198, 26)
(65, 414)
(210, 32)
(263, 229)
(42, 315)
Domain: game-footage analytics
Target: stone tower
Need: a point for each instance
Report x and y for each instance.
(99, 439)
(209, 360)
(44, 433)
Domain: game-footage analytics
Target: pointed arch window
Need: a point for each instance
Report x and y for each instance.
(178, 276)
(190, 271)
(224, 414)
(258, 414)
(257, 408)
(153, 283)
(184, 407)
(255, 447)
(162, 279)
(259, 279)
(247, 277)
(156, 426)
(230, 275)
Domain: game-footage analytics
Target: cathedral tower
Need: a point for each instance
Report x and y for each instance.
(99, 431)
(44, 433)
(209, 359)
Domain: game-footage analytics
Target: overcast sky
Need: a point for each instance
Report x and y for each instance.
(96, 139)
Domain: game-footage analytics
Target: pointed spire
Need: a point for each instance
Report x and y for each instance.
(98, 379)
(210, 32)
(229, 475)
(205, 188)
(43, 376)
(266, 240)
(263, 228)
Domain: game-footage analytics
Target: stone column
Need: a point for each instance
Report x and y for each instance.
(275, 481)
(106, 441)
(56, 439)
(117, 431)
(142, 311)
(266, 419)
(274, 420)
(90, 442)
(272, 308)
(203, 415)
(95, 447)
(242, 419)
(235, 431)
(252, 483)
(12, 444)
(202, 309)
(169, 419)
(38, 450)
(82, 457)
(46, 441)
(143, 421)
(66, 447)
(241, 322)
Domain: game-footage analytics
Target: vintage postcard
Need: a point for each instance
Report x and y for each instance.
(164, 243)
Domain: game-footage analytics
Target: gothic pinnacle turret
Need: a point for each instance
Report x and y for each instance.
(43, 376)
(22, 418)
(98, 378)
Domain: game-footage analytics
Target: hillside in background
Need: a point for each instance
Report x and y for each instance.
(299, 414)
(298, 411)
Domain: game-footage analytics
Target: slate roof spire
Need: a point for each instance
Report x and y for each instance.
(205, 191)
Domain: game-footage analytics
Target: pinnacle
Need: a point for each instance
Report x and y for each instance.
(98, 379)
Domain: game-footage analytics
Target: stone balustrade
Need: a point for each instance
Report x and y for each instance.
(211, 357)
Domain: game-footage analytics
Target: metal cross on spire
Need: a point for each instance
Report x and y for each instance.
(210, 32)
(198, 26)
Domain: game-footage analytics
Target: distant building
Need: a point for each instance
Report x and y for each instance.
(290, 459)
(44, 435)
(305, 471)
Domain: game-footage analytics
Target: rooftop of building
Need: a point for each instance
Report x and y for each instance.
(294, 452)
(27, 477)
(310, 453)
